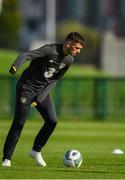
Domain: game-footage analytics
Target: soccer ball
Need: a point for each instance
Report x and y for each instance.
(72, 158)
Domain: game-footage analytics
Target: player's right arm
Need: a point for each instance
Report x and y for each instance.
(22, 58)
(29, 56)
(12, 70)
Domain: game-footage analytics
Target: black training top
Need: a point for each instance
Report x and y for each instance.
(48, 63)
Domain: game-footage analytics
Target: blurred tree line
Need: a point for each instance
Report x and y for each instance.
(9, 24)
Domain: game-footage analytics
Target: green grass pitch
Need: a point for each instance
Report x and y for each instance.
(95, 140)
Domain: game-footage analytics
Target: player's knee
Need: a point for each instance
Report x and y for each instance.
(18, 126)
(53, 122)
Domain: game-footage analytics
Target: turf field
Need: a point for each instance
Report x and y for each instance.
(95, 140)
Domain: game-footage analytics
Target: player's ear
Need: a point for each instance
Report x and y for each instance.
(68, 44)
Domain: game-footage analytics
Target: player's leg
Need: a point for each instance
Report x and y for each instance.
(15, 131)
(21, 111)
(47, 110)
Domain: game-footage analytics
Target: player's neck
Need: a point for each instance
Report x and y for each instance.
(65, 52)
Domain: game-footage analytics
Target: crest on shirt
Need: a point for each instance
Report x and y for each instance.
(62, 65)
(23, 100)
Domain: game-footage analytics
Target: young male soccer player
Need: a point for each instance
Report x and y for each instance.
(48, 64)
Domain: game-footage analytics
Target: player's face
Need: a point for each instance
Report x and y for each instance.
(74, 48)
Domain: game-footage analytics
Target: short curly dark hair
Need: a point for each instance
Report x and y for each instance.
(75, 37)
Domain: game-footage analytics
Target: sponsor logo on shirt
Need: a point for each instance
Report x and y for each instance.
(49, 73)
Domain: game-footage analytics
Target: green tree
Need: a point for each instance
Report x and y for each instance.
(9, 24)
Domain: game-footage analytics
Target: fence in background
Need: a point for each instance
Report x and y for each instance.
(83, 98)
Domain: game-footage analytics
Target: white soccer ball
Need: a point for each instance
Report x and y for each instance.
(72, 158)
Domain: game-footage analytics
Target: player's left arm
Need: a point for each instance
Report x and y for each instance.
(61, 73)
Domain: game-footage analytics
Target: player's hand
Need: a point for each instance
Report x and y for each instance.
(12, 70)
